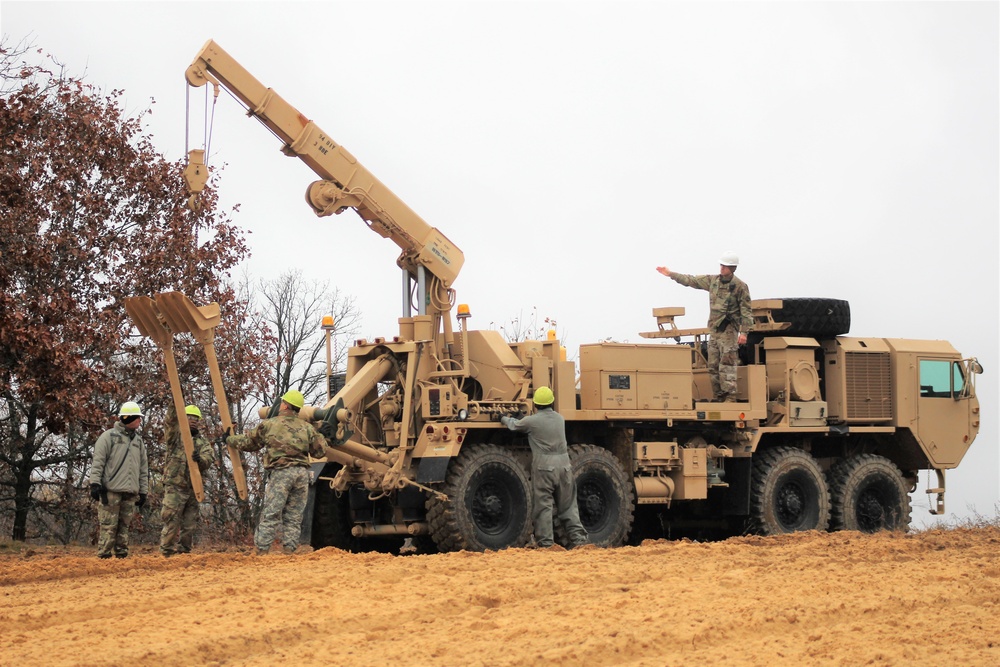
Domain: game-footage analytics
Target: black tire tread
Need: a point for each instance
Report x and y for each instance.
(331, 519)
(443, 517)
(813, 317)
(764, 465)
(626, 509)
(840, 477)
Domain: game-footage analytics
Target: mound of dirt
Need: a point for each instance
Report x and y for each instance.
(808, 598)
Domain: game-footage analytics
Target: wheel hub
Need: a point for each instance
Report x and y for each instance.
(871, 511)
(489, 509)
(592, 503)
(791, 504)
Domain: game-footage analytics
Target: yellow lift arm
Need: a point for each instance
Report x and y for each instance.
(345, 182)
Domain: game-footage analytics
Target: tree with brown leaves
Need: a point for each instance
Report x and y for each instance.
(91, 213)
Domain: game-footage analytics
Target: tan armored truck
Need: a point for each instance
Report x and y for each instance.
(829, 431)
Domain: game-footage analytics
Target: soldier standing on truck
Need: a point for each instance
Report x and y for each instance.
(553, 489)
(119, 480)
(730, 317)
(288, 443)
(180, 506)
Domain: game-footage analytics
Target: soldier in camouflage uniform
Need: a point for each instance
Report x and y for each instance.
(119, 480)
(180, 513)
(553, 488)
(730, 318)
(287, 442)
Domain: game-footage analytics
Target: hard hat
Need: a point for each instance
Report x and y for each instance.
(193, 411)
(130, 409)
(544, 396)
(729, 259)
(294, 398)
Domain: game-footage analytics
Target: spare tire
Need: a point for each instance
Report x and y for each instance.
(812, 317)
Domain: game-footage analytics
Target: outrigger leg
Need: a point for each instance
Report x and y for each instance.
(172, 313)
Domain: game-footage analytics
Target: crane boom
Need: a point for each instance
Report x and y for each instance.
(345, 182)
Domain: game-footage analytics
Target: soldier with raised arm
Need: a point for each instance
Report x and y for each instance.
(730, 318)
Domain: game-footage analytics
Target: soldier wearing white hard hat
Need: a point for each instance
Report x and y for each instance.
(730, 318)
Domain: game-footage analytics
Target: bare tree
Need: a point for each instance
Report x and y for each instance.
(521, 328)
(294, 310)
(289, 310)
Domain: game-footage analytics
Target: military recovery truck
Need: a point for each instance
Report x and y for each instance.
(829, 430)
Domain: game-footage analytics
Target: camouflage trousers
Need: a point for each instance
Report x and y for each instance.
(284, 504)
(553, 496)
(114, 519)
(180, 515)
(723, 358)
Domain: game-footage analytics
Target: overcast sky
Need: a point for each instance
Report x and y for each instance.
(846, 150)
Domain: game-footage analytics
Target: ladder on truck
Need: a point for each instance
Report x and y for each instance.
(160, 318)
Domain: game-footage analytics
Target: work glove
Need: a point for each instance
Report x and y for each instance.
(496, 416)
(328, 430)
(221, 440)
(95, 491)
(196, 456)
(142, 500)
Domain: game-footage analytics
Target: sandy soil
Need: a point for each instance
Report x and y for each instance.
(931, 598)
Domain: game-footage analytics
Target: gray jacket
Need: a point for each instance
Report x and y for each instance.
(546, 430)
(120, 462)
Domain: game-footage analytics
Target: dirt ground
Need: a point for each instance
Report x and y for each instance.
(930, 598)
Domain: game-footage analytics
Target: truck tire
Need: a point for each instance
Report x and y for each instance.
(604, 496)
(331, 525)
(788, 493)
(488, 505)
(813, 317)
(868, 493)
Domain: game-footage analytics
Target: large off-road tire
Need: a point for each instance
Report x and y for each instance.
(813, 317)
(788, 493)
(488, 505)
(868, 493)
(331, 525)
(332, 522)
(604, 495)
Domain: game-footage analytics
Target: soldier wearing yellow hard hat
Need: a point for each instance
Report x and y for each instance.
(119, 479)
(288, 442)
(553, 488)
(179, 512)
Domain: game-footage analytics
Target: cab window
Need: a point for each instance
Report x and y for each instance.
(940, 378)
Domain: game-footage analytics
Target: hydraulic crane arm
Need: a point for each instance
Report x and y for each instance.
(345, 182)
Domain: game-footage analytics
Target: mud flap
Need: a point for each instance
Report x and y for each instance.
(432, 469)
(736, 501)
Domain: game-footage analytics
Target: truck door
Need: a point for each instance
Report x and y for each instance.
(945, 410)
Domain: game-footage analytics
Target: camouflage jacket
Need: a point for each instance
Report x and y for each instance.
(175, 468)
(120, 463)
(728, 300)
(287, 442)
